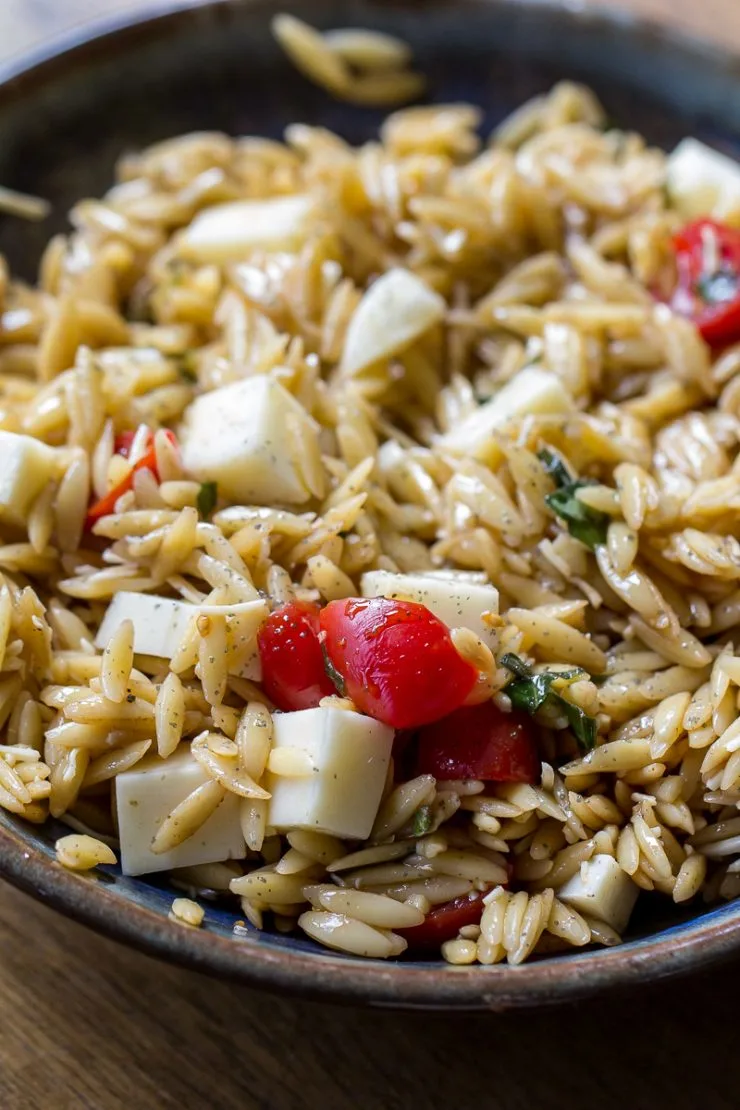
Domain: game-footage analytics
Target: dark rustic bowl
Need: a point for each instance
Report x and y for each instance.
(65, 116)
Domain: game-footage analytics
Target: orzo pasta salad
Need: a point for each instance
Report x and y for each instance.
(371, 529)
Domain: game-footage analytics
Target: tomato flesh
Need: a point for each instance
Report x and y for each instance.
(708, 287)
(444, 923)
(396, 659)
(148, 461)
(124, 441)
(479, 742)
(293, 672)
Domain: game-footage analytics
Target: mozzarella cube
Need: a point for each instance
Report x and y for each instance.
(703, 182)
(533, 392)
(161, 623)
(231, 232)
(26, 466)
(395, 310)
(350, 755)
(249, 438)
(603, 890)
(147, 793)
(458, 598)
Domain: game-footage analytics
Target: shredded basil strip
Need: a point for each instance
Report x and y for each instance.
(207, 498)
(529, 690)
(333, 673)
(584, 523)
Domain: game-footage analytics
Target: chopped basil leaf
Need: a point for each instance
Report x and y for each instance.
(584, 523)
(422, 821)
(516, 665)
(718, 288)
(530, 694)
(555, 467)
(529, 691)
(207, 498)
(583, 727)
(333, 673)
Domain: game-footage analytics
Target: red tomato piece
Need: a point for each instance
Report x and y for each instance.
(293, 672)
(396, 659)
(148, 461)
(479, 742)
(444, 923)
(708, 287)
(124, 442)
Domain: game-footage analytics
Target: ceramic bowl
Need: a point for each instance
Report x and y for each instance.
(65, 116)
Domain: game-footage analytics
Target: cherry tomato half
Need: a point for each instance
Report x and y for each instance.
(708, 287)
(396, 659)
(293, 673)
(479, 742)
(444, 923)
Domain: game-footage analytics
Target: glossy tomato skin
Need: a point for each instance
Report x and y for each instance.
(709, 297)
(444, 923)
(397, 660)
(479, 742)
(293, 672)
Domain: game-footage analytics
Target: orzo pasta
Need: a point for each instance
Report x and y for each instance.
(370, 525)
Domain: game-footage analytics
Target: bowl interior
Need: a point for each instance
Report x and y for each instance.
(64, 123)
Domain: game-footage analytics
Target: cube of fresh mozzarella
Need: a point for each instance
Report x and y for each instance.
(26, 466)
(532, 392)
(147, 793)
(603, 890)
(160, 624)
(350, 755)
(703, 182)
(249, 438)
(231, 232)
(395, 310)
(459, 598)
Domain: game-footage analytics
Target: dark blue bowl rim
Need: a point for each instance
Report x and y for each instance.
(688, 947)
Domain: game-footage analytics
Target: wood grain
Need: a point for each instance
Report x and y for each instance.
(87, 1024)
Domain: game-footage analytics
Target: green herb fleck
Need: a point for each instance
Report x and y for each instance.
(186, 368)
(529, 690)
(584, 523)
(207, 498)
(333, 673)
(422, 822)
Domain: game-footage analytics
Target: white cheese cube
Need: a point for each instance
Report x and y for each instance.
(147, 793)
(26, 466)
(532, 392)
(245, 438)
(231, 232)
(395, 310)
(350, 755)
(603, 890)
(458, 598)
(160, 624)
(703, 182)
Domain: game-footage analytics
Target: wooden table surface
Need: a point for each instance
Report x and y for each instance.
(86, 1023)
